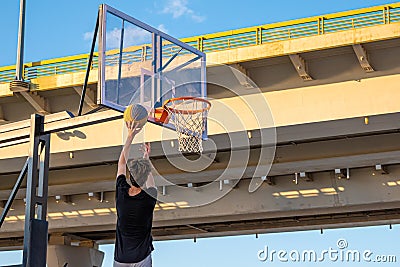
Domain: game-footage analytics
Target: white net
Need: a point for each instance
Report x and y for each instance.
(189, 117)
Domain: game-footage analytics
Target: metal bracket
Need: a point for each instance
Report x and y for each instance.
(94, 195)
(301, 67)
(63, 199)
(362, 58)
(243, 76)
(39, 103)
(269, 180)
(89, 98)
(2, 119)
(340, 173)
(306, 176)
(19, 86)
(382, 169)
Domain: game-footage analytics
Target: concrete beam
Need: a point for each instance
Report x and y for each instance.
(74, 256)
(5, 90)
(66, 80)
(290, 159)
(59, 239)
(237, 55)
(55, 126)
(14, 126)
(308, 157)
(299, 110)
(301, 45)
(89, 149)
(368, 198)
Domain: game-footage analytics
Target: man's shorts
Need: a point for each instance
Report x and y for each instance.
(147, 262)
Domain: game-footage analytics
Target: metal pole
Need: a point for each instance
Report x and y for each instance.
(89, 66)
(42, 190)
(20, 52)
(121, 50)
(36, 226)
(36, 123)
(14, 192)
(157, 63)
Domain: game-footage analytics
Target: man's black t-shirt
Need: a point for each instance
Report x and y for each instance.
(135, 217)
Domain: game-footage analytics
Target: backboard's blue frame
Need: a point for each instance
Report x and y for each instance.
(157, 37)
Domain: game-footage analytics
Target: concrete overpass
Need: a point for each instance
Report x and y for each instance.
(332, 85)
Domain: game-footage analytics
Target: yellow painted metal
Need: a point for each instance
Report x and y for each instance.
(250, 36)
(62, 59)
(5, 68)
(293, 22)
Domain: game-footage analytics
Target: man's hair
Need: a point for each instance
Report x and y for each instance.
(139, 170)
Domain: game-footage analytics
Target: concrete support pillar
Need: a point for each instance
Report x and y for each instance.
(63, 254)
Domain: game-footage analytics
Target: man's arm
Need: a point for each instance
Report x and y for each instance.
(150, 181)
(132, 131)
(146, 154)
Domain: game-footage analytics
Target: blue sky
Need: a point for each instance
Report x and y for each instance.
(58, 28)
(239, 251)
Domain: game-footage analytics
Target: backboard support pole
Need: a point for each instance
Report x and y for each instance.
(157, 64)
(89, 66)
(16, 187)
(121, 50)
(20, 50)
(36, 226)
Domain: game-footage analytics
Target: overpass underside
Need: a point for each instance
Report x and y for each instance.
(331, 112)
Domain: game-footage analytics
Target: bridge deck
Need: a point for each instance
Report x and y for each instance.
(321, 125)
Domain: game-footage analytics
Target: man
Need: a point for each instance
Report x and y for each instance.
(135, 205)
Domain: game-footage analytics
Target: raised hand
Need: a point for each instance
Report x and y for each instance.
(133, 128)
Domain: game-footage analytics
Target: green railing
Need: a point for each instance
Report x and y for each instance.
(342, 21)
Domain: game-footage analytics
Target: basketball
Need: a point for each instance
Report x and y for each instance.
(136, 113)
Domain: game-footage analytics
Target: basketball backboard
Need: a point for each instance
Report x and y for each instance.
(139, 64)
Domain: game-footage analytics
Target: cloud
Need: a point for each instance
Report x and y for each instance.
(179, 8)
(88, 36)
(198, 18)
(132, 36)
(162, 28)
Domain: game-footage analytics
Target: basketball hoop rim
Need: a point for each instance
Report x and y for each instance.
(190, 111)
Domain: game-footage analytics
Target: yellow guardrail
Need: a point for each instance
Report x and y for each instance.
(257, 35)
